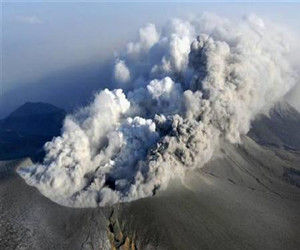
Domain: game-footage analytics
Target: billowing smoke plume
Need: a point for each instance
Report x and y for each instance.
(185, 88)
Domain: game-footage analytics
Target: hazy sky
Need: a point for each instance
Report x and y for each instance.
(39, 39)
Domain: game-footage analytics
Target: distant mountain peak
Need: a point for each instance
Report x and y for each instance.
(35, 108)
(24, 132)
(34, 118)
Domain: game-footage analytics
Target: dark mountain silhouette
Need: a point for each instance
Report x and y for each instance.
(24, 131)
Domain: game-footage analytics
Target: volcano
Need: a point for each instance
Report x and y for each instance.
(246, 197)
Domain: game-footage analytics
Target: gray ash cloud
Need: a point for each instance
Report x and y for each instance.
(181, 91)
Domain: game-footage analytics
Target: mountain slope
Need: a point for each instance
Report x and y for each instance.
(281, 128)
(240, 200)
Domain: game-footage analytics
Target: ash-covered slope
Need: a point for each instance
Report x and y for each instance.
(281, 128)
(246, 197)
(242, 200)
(30, 221)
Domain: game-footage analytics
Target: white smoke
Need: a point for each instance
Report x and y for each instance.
(121, 72)
(187, 87)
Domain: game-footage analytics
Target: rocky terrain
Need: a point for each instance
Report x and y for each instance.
(246, 197)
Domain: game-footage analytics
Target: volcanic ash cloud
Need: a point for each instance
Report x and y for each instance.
(182, 90)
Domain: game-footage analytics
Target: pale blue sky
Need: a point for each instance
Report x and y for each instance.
(41, 38)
